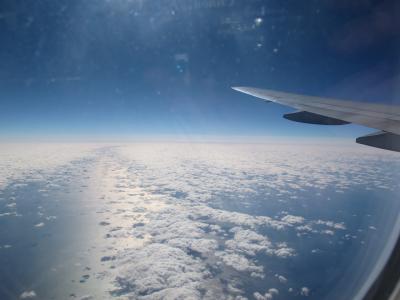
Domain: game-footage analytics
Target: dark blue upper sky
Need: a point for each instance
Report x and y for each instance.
(120, 68)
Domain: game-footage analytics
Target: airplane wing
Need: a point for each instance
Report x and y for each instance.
(326, 111)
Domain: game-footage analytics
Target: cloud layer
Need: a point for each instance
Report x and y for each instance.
(204, 221)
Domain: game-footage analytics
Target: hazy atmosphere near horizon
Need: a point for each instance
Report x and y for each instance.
(130, 169)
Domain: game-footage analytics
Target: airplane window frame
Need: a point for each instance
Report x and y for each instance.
(387, 284)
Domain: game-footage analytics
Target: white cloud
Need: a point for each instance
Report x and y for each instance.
(273, 291)
(292, 220)
(266, 296)
(248, 242)
(239, 262)
(285, 252)
(281, 278)
(161, 271)
(331, 224)
(305, 291)
(28, 295)
(328, 232)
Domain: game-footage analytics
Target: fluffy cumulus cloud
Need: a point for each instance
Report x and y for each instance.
(293, 220)
(305, 291)
(284, 251)
(239, 262)
(266, 296)
(273, 291)
(282, 279)
(163, 272)
(192, 247)
(248, 242)
(41, 224)
(28, 295)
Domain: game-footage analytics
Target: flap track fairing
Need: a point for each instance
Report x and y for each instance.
(382, 140)
(312, 118)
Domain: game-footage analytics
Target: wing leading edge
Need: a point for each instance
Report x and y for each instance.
(326, 111)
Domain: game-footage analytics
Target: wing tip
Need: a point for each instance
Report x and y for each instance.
(255, 92)
(244, 89)
(238, 88)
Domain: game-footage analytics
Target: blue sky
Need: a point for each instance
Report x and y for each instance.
(123, 68)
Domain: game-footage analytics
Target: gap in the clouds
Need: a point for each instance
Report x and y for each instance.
(49, 238)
